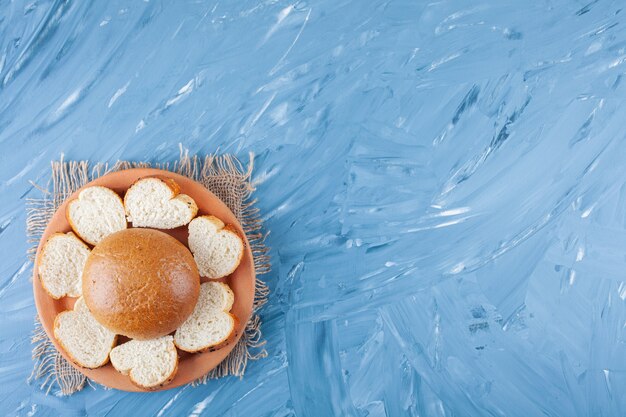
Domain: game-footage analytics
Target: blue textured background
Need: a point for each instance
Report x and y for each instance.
(444, 182)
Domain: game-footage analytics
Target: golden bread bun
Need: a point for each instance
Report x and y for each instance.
(140, 283)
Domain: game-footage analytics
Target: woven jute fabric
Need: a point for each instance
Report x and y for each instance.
(227, 178)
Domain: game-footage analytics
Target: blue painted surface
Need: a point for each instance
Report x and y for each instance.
(444, 183)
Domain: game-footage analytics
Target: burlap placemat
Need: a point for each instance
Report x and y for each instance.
(227, 178)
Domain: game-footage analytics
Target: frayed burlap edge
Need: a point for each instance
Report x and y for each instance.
(226, 177)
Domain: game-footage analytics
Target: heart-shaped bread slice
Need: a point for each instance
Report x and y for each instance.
(85, 340)
(217, 248)
(149, 363)
(61, 263)
(156, 202)
(210, 325)
(96, 213)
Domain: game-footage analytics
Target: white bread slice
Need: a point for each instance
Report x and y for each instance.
(150, 363)
(156, 202)
(62, 259)
(85, 340)
(210, 325)
(217, 248)
(96, 213)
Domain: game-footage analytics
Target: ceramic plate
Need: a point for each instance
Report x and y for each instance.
(242, 281)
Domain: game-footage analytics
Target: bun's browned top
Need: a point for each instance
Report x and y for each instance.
(141, 283)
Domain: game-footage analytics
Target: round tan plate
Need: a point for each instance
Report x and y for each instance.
(242, 281)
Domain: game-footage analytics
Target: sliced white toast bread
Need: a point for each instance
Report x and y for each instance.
(96, 213)
(85, 340)
(61, 263)
(217, 248)
(149, 363)
(210, 325)
(156, 202)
